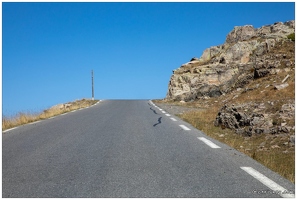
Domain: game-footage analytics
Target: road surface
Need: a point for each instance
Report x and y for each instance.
(128, 148)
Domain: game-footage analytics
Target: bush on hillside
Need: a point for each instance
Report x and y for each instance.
(291, 36)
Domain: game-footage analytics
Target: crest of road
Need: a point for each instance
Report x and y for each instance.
(128, 148)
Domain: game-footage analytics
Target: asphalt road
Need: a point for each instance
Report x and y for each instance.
(128, 148)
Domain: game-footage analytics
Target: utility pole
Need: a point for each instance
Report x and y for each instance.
(92, 85)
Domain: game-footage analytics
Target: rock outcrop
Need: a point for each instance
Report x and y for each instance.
(243, 57)
(253, 118)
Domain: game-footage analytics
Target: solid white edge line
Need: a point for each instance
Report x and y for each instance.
(268, 182)
(48, 118)
(34, 122)
(184, 127)
(173, 119)
(209, 143)
(9, 129)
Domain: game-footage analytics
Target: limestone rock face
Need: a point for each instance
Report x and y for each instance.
(222, 68)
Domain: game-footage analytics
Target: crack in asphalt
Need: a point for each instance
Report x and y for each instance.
(159, 122)
(154, 111)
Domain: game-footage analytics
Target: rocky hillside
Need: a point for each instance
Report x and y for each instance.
(252, 76)
(243, 57)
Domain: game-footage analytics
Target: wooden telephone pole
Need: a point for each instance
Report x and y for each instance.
(92, 85)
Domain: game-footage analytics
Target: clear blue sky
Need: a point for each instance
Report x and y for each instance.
(49, 49)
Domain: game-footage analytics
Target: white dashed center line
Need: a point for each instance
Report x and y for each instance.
(209, 143)
(269, 183)
(184, 127)
(257, 175)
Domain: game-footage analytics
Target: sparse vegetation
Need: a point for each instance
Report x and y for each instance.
(278, 158)
(274, 151)
(27, 117)
(291, 36)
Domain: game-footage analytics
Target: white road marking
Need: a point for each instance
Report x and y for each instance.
(163, 112)
(51, 117)
(209, 143)
(73, 111)
(173, 119)
(269, 183)
(167, 115)
(9, 129)
(64, 114)
(34, 122)
(160, 109)
(184, 127)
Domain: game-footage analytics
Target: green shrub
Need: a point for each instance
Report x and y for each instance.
(291, 36)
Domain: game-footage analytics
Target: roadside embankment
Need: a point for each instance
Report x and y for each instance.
(275, 151)
(27, 117)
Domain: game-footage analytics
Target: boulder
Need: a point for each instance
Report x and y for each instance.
(67, 105)
(194, 59)
(281, 86)
(241, 33)
(245, 121)
(229, 117)
(292, 139)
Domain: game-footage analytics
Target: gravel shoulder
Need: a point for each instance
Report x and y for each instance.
(176, 109)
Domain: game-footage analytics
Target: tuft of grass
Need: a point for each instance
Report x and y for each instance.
(26, 117)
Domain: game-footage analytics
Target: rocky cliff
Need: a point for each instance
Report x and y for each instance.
(245, 56)
(250, 78)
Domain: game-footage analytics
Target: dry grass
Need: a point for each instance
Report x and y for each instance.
(280, 160)
(27, 117)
